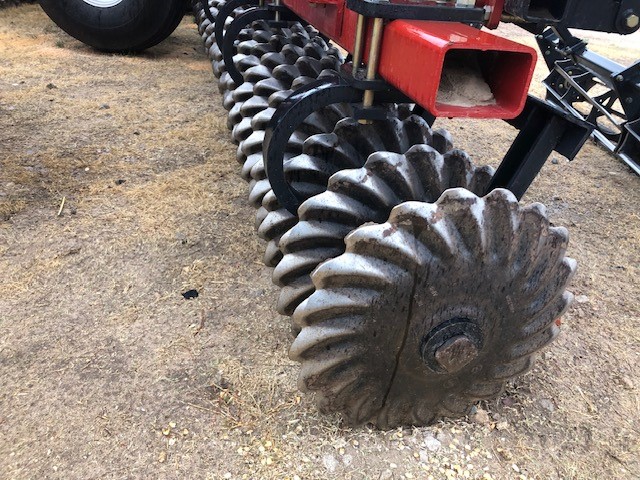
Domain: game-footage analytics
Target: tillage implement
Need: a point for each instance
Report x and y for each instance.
(416, 282)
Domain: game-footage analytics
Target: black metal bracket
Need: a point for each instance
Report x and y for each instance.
(395, 11)
(225, 12)
(629, 147)
(615, 16)
(544, 127)
(429, 117)
(243, 21)
(207, 11)
(627, 85)
(302, 103)
(575, 71)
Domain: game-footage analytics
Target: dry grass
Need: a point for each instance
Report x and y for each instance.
(107, 372)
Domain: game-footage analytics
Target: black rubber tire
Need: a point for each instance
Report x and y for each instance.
(130, 26)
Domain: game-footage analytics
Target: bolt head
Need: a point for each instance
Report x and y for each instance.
(456, 353)
(632, 20)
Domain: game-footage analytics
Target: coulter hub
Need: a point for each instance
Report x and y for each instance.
(452, 345)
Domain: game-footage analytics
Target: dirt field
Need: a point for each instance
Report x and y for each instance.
(107, 372)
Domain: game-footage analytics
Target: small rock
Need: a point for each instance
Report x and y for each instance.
(72, 250)
(481, 417)
(51, 86)
(582, 299)
(104, 106)
(505, 454)
(508, 401)
(547, 404)
(555, 161)
(347, 459)
(443, 437)
(502, 426)
(431, 443)
(120, 181)
(424, 456)
(386, 475)
(330, 462)
(626, 383)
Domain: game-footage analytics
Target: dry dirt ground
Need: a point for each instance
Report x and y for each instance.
(107, 372)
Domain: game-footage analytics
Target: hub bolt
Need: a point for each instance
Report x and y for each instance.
(632, 20)
(456, 353)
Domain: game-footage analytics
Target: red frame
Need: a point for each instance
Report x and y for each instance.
(413, 54)
(508, 65)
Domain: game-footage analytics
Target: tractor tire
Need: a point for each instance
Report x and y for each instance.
(116, 25)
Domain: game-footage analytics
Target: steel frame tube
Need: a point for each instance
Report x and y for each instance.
(372, 61)
(358, 44)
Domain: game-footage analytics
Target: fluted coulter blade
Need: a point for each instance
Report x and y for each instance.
(432, 310)
(368, 194)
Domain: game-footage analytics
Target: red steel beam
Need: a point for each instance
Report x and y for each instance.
(415, 54)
